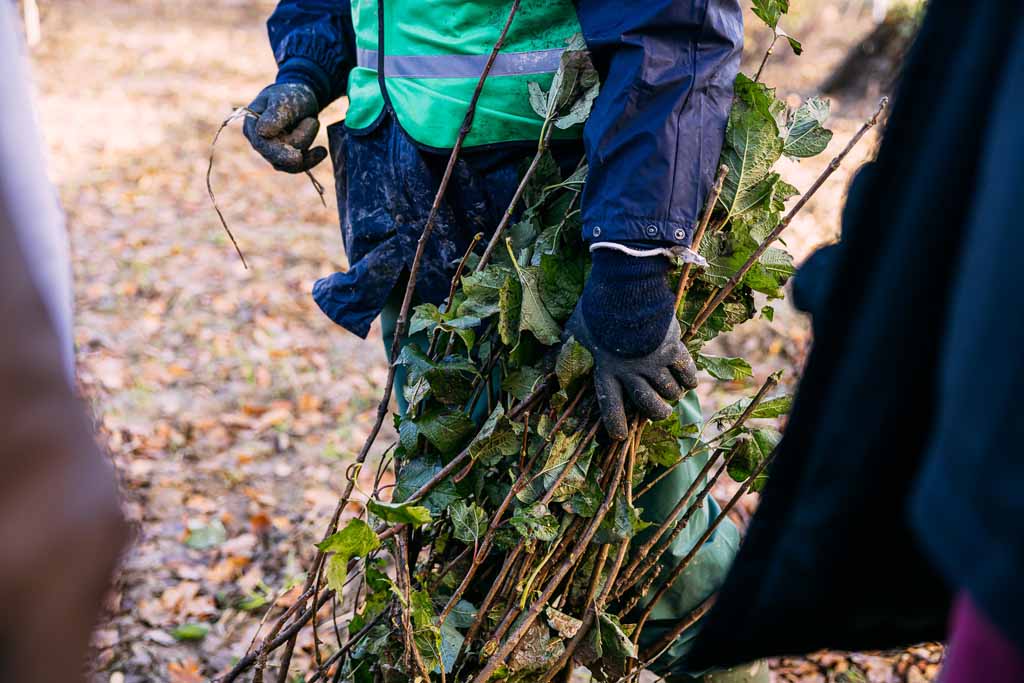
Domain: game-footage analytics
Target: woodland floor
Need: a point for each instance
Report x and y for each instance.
(229, 403)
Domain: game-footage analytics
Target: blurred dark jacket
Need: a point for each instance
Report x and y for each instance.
(901, 472)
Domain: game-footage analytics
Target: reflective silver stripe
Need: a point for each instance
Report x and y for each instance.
(462, 66)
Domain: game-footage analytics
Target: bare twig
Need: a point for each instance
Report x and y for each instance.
(698, 235)
(542, 147)
(527, 619)
(239, 113)
(767, 54)
(717, 298)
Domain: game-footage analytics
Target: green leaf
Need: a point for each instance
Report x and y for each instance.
(659, 443)
(482, 291)
(752, 146)
(357, 539)
(417, 472)
(463, 614)
(726, 369)
(574, 362)
(533, 316)
(561, 284)
(449, 380)
(768, 313)
(469, 521)
(749, 451)
(400, 513)
(446, 431)
(536, 522)
(795, 45)
(767, 409)
(770, 11)
(614, 639)
(807, 135)
(538, 99)
(190, 632)
(498, 438)
(522, 382)
(510, 303)
(429, 317)
(622, 522)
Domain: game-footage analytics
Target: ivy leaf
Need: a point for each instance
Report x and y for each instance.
(429, 317)
(357, 539)
(449, 380)
(400, 513)
(445, 430)
(533, 315)
(417, 472)
(614, 639)
(660, 442)
(726, 369)
(561, 284)
(498, 438)
(536, 522)
(522, 382)
(574, 361)
(807, 135)
(469, 522)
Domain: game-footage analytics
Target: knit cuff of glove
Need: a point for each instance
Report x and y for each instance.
(307, 73)
(627, 303)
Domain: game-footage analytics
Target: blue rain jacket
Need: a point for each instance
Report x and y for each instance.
(652, 143)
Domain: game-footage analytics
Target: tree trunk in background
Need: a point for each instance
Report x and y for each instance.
(873, 65)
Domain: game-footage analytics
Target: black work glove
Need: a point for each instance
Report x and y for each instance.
(286, 127)
(626, 319)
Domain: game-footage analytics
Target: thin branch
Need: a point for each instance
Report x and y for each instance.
(767, 54)
(542, 147)
(698, 235)
(527, 619)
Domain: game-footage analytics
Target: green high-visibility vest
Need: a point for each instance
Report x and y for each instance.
(434, 52)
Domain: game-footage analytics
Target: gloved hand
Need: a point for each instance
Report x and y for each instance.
(626, 319)
(286, 127)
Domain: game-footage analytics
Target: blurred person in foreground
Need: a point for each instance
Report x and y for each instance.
(60, 524)
(895, 506)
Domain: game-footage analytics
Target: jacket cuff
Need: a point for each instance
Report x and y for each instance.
(661, 232)
(308, 73)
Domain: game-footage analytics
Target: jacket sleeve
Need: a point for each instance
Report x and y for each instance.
(654, 137)
(314, 44)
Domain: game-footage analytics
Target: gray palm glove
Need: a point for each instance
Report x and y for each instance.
(648, 382)
(626, 319)
(286, 127)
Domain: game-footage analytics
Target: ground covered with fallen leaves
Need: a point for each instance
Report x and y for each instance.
(230, 405)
